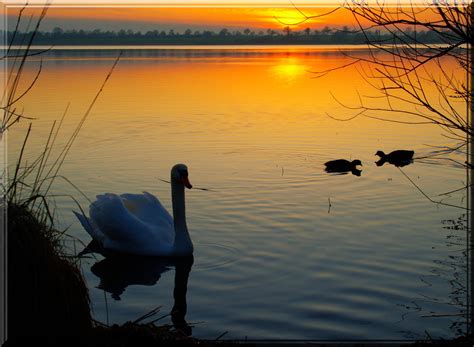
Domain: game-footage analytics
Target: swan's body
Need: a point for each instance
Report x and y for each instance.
(139, 224)
(343, 166)
(399, 157)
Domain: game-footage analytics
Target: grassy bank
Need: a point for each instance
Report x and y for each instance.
(48, 299)
(47, 295)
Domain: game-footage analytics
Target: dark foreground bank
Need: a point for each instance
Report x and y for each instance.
(48, 300)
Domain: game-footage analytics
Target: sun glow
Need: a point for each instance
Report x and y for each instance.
(281, 17)
(289, 69)
(179, 18)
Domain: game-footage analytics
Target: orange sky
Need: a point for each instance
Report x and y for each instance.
(259, 17)
(182, 18)
(197, 18)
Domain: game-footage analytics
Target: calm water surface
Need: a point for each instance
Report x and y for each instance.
(272, 258)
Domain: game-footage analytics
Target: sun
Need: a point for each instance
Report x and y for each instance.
(282, 17)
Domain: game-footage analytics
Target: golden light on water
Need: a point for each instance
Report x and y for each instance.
(289, 69)
(272, 89)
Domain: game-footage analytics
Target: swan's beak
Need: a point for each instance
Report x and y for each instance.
(186, 183)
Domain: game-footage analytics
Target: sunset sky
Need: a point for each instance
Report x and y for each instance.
(180, 19)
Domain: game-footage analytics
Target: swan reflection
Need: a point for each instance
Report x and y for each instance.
(117, 272)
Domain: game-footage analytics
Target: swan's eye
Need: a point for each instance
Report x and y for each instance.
(183, 173)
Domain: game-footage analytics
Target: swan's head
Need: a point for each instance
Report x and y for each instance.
(380, 154)
(356, 162)
(179, 174)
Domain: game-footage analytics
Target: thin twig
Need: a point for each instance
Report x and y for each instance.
(221, 335)
(426, 196)
(147, 315)
(194, 187)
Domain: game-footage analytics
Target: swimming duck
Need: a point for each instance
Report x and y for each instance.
(343, 166)
(398, 158)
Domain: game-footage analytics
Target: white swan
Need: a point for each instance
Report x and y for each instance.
(139, 224)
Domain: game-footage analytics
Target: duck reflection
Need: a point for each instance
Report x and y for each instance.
(342, 167)
(117, 272)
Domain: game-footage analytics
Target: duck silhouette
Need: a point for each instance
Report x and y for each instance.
(398, 158)
(343, 166)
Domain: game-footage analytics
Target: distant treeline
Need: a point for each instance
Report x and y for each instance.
(225, 36)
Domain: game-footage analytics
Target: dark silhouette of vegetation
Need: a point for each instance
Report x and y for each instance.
(225, 36)
(415, 67)
(411, 75)
(45, 286)
(48, 299)
(403, 65)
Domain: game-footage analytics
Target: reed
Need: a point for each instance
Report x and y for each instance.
(47, 295)
(46, 291)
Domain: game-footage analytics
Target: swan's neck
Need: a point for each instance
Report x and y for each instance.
(182, 241)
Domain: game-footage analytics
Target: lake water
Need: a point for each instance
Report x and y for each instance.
(283, 250)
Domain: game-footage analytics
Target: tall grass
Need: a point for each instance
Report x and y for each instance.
(46, 291)
(44, 284)
(29, 183)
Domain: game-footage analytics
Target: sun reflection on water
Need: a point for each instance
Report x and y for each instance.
(289, 69)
